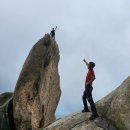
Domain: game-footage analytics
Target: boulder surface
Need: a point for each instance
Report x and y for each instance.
(6, 111)
(80, 121)
(4, 97)
(116, 106)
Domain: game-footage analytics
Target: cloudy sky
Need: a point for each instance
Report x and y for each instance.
(98, 30)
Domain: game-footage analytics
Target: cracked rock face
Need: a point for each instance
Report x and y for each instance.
(116, 106)
(37, 91)
(80, 121)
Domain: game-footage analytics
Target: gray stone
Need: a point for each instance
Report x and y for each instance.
(80, 121)
(116, 106)
(6, 115)
(4, 97)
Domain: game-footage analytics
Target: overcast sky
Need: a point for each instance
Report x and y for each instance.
(98, 30)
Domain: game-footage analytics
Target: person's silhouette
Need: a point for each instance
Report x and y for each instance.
(53, 32)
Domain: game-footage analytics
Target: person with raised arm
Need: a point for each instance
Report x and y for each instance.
(53, 32)
(87, 95)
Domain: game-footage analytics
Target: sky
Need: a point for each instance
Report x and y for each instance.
(97, 30)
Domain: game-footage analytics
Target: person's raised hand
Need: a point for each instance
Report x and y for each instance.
(84, 60)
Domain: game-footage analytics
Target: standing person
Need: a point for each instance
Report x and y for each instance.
(53, 32)
(87, 95)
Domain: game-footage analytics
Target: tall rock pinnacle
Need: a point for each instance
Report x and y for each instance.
(37, 91)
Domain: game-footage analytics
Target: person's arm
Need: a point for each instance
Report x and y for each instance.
(55, 28)
(86, 62)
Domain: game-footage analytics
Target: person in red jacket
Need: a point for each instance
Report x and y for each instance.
(87, 95)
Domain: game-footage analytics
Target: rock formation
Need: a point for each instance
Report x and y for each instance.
(6, 111)
(116, 106)
(5, 97)
(80, 121)
(37, 91)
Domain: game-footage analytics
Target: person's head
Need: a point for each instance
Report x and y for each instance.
(53, 29)
(91, 65)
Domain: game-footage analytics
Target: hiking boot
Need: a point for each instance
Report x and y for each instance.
(94, 116)
(85, 110)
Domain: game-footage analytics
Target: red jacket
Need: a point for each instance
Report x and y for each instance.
(89, 76)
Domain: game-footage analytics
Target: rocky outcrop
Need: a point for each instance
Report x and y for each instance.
(6, 112)
(4, 97)
(116, 106)
(37, 91)
(80, 121)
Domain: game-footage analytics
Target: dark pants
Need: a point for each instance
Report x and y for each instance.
(87, 95)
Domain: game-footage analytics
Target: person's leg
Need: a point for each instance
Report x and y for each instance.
(92, 104)
(85, 102)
